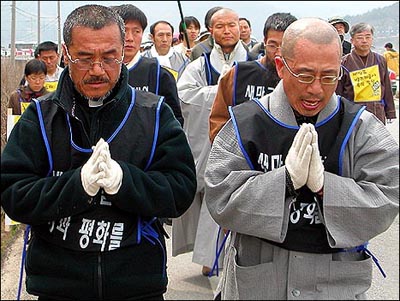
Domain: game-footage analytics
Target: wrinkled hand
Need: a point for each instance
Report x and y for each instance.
(298, 159)
(224, 70)
(111, 179)
(90, 172)
(315, 179)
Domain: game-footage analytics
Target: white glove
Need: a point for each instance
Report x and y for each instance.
(90, 172)
(224, 70)
(315, 179)
(112, 173)
(298, 159)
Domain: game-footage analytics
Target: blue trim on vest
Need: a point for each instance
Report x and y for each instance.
(207, 64)
(46, 141)
(261, 65)
(322, 122)
(347, 137)
(128, 112)
(295, 127)
(156, 130)
(121, 125)
(245, 154)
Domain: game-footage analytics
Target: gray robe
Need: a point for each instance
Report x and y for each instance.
(357, 207)
(195, 229)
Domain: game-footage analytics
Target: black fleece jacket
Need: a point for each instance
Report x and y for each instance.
(65, 259)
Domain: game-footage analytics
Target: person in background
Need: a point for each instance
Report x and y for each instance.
(392, 58)
(207, 44)
(258, 49)
(196, 230)
(250, 79)
(342, 27)
(192, 29)
(245, 33)
(365, 78)
(48, 52)
(176, 40)
(146, 73)
(161, 33)
(91, 168)
(296, 175)
(34, 76)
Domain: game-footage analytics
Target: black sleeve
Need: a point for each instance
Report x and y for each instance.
(169, 90)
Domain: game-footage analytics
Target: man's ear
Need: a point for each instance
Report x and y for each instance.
(279, 65)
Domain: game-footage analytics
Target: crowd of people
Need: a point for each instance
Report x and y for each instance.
(266, 157)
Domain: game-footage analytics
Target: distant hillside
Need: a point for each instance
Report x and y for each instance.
(386, 23)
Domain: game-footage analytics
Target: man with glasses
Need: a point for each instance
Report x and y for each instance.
(366, 78)
(47, 51)
(297, 176)
(252, 78)
(91, 168)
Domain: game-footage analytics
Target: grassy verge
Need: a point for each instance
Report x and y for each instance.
(8, 237)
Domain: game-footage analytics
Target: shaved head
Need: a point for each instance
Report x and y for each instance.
(315, 30)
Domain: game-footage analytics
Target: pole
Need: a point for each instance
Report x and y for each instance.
(59, 29)
(183, 25)
(12, 46)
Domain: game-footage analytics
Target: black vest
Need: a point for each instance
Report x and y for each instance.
(212, 75)
(141, 75)
(257, 81)
(266, 142)
(131, 137)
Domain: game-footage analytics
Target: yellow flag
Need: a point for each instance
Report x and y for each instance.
(366, 84)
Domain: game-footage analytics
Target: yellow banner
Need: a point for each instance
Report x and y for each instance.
(173, 72)
(24, 105)
(51, 86)
(366, 84)
(11, 121)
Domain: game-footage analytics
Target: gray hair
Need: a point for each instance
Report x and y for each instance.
(92, 16)
(360, 27)
(315, 30)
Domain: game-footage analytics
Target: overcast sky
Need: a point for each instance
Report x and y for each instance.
(255, 11)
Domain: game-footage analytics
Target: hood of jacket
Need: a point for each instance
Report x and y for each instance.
(393, 54)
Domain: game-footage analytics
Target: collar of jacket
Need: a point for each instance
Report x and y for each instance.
(218, 59)
(66, 92)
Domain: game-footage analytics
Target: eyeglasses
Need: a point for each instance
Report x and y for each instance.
(272, 48)
(309, 79)
(363, 37)
(86, 64)
(35, 79)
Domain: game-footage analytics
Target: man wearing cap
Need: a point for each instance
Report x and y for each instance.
(342, 27)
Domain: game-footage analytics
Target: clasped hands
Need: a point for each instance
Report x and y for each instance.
(100, 171)
(303, 161)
